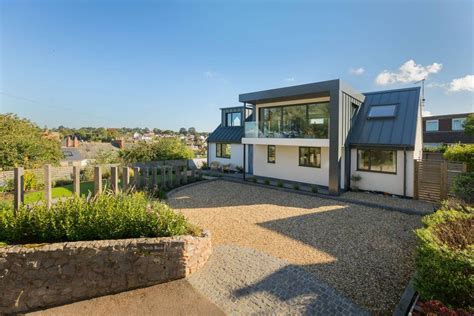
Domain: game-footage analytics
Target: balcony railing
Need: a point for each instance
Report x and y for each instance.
(265, 130)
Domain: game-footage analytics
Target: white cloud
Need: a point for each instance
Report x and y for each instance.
(357, 71)
(290, 79)
(462, 84)
(210, 74)
(408, 72)
(427, 113)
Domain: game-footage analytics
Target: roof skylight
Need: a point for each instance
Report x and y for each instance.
(379, 111)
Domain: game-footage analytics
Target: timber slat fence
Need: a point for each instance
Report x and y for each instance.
(143, 177)
(434, 178)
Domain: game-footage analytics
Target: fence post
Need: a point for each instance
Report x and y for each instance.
(145, 175)
(76, 180)
(444, 180)
(415, 180)
(114, 178)
(136, 177)
(48, 195)
(193, 175)
(125, 178)
(178, 176)
(185, 175)
(163, 176)
(97, 180)
(154, 177)
(19, 181)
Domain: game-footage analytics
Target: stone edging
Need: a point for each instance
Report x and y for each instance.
(406, 301)
(38, 276)
(331, 197)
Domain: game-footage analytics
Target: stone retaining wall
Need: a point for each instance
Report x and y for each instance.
(33, 277)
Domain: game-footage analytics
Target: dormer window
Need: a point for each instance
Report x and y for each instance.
(234, 119)
(382, 111)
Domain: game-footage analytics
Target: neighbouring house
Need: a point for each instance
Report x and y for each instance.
(224, 144)
(323, 133)
(445, 129)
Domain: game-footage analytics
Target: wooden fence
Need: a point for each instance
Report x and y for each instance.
(434, 178)
(163, 177)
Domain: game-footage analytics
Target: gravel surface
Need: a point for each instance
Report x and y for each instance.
(421, 206)
(365, 253)
(243, 281)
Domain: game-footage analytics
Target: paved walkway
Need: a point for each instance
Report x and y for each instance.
(244, 281)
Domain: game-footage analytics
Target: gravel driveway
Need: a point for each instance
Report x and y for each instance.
(365, 253)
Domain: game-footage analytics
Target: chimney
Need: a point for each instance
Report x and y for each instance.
(68, 141)
(76, 142)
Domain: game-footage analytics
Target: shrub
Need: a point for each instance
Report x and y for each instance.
(266, 182)
(444, 258)
(106, 216)
(31, 182)
(463, 153)
(314, 189)
(280, 184)
(62, 182)
(7, 186)
(296, 186)
(463, 187)
(253, 179)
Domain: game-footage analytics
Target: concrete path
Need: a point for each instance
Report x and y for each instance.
(244, 281)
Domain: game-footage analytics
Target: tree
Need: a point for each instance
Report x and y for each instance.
(164, 149)
(23, 143)
(182, 130)
(469, 125)
(192, 130)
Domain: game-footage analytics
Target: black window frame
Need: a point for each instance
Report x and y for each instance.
(370, 160)
(274, 154)
(219, 148)
(307, 165)
(231, 118)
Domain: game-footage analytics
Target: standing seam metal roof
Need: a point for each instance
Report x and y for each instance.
(398, 131)
(227, 134)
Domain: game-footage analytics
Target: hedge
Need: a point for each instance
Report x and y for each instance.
(463, 153)
(445, 258)
(106, 216)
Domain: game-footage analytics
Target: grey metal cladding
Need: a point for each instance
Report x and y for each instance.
(398, 131)
(294, 91)
(227, 134)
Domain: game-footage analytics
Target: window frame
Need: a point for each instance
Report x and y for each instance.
(219, 151)
(309, 147)
(274, 154)
(370, 160)
(395, 111)
(231, 114)
(431, 121)
(462, 119)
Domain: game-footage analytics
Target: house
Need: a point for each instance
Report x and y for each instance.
(445, 129)
(323, 133)
(224, 144)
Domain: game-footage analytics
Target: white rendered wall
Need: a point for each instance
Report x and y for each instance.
(385, 182)
(236, 155)
(286, 166)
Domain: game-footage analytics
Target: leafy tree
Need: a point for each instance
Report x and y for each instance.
(164, 149)
(23, 143)
(182, 130)
(192, 131)
(157, 131)
(469, 125)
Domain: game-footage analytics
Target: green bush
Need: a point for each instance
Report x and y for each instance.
(314, 189)
(62, 182)
(296, 186)
(280, 184)
(445, 258)
(106, 216)
(266, 182)
(463, 153)
(463, 187)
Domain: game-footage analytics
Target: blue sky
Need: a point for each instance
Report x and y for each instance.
(174, 64)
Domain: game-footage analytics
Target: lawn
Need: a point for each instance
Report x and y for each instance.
(59, 192)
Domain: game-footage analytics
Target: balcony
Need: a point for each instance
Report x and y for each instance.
(315, 134)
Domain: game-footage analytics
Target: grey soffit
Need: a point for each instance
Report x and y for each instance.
(395, 132)
(227, 134)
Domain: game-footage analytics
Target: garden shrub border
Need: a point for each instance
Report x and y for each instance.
(45, 275)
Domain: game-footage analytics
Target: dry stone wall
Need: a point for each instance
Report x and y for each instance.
(38, 276)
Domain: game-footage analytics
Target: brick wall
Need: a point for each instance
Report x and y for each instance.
(60, 273)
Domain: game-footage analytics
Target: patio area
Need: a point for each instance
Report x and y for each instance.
(362, 253)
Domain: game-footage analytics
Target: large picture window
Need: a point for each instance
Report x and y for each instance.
(234, 119)
(222, 150)
(271, 154)
(376, 160)
(310, 157)
(295, 121)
